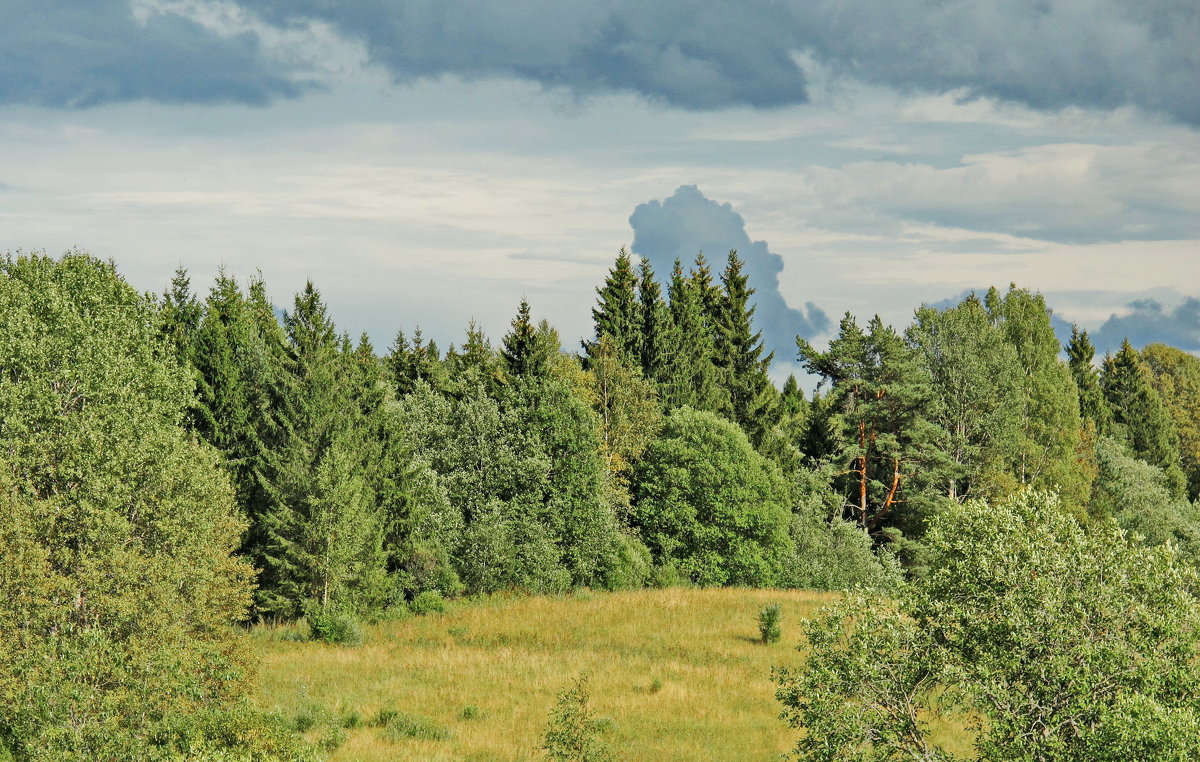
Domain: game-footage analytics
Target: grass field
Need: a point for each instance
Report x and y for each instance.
(679, 673)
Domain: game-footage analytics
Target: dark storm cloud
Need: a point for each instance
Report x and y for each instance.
(1149, 321)
(79, 54)
(709, 54)
(686, 224)
(1045, 53)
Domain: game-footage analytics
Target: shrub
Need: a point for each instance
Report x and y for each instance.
(572, 735)
(329, 625)
(768, 624)
(428, 602)
(415, 727)
(471, 712)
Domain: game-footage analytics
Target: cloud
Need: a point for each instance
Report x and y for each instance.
(1070, 193)
(80, 54)
(1149, 321)
(687, 223)
(707, 54)
(1048, 54)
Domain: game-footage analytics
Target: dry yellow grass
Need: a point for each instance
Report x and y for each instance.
(511, 657)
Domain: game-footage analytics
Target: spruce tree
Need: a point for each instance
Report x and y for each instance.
(739, 356)
(1141, 419)
(691, 378)
(528, 349)
(1092, 405)
(657, 345)
(617, 312)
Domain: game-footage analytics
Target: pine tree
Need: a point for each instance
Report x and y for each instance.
(876, 417)
(1092, 405)
(1140, 417)
(739, 356)
(617, 312)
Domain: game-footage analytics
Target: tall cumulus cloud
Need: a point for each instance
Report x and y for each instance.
(1148, 321)
(687, 224)
(704, 54)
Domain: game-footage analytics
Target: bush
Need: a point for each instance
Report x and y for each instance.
(768, 624)
(329, 625)
(415, 727)
(837, 555)
(572, 735)
(428, 602)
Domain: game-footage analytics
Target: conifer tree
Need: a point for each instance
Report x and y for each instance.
(691, 378)
(617, 312)
(415, 362)
(875, 416)
(528, 349)
(1092, 405)
(657, 345)
(1140, 417)
(739, 356)
(324, 533)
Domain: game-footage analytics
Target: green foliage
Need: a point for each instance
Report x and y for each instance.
(398, 726)
(707, 503)
(691, 379)
(739, 355)
(974, 402)
(1081, 356)
(1176, 378)
(1050, 454)
(428, 602)
(572, 733)
(1062, 644)
(877, 429)
(118, 585)
(768, 623)
(1140, 419)
(331, 625)
(618, 313)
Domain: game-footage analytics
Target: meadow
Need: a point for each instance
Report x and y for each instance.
(675, 674)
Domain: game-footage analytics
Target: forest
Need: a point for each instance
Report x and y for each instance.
(1015, 521)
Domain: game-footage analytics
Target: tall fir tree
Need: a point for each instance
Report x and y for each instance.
(657, 343)
(617, 312)
(739, 356)
(1141, 419)
(1081, 355)
(691, 378)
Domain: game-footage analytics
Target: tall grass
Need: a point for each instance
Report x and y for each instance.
(679, 674)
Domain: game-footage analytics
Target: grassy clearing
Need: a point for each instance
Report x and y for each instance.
(679, 675)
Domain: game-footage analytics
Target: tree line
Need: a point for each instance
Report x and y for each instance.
(174, 463)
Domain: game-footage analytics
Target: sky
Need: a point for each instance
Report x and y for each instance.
(428, 162)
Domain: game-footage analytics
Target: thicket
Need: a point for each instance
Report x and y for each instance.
(175, 464)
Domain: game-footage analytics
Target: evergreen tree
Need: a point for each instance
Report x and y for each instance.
(617, 312)
(520, 344)
(876, 409)
(1092, 405)
(739, 356)
(1140, 417)
(181, 313)
(411, 363)
(657, 343)
(691, 378)
(324, 533)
